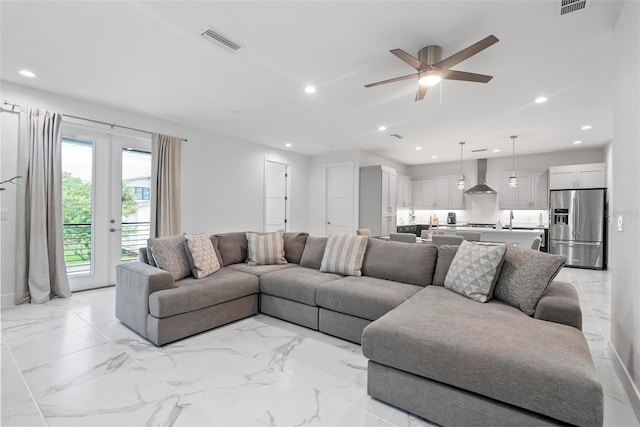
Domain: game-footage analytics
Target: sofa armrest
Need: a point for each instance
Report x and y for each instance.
(135, 281)
(560, 304)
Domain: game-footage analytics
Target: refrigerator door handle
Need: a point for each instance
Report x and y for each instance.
(576, 228)
(560, 242)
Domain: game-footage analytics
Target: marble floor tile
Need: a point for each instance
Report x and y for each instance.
(70, 362)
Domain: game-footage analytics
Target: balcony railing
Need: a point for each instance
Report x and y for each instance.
(78, 245)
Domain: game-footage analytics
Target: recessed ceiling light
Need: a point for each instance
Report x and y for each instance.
(310, 89)
(27, 73)
(288, 144)
(418, 148)
(586, 127)
(540, 99)
(497, 150)
(434, 157)
(577, 142)
(382, 128)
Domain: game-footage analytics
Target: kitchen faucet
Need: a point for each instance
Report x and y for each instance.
(510, 220)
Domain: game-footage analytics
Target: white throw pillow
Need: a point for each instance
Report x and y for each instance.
(265, 249)
(201, 254)
(475, 269)
(343, 254)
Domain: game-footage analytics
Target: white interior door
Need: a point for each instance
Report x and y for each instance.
(276, 186)
(92, 165)
(339, 187)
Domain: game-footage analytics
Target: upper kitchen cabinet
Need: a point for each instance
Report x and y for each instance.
(437, 193)
(531, 192)
(378, 193)
(405, 192)
(591, 175)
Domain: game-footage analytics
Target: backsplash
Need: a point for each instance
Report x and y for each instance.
(522, 218)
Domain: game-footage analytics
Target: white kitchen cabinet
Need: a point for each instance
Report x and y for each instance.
(405, 192)
(437, 193)
(591, 175)
(378, 194)
(531, 192)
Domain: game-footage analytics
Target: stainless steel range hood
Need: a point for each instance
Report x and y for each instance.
(481, 187)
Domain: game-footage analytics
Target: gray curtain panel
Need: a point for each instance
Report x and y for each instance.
(165, 185)
(40, 267)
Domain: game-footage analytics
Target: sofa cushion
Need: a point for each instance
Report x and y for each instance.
(170, 255)
(446, 253)
(296, 284)
(313, 252)
(474, 270)
(150, 260)
(193, 294)
(202, 257)
(525, 276)
(259, 270)
(401, 262)
(265, 248)
(232, 247)
(344, 254)
(490, 349)
(365, 297)
(294, 243)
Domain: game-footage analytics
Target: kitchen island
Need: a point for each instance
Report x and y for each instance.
(522, 238)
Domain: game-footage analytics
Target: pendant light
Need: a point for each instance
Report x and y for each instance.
(461, 179)
(513, 180)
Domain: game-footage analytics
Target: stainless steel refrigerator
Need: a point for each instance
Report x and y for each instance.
(577, 226)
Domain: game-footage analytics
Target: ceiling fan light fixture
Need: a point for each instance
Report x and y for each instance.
(431, 78)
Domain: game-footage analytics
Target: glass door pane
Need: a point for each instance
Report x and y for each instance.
(77, 205)
(136, 202)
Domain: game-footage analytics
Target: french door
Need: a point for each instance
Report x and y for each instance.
(106, 202)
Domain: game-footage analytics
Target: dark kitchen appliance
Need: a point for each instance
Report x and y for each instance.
(577, 226)
(451, 218)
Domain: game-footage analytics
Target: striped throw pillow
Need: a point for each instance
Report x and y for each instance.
(266, 249)
(343, 254)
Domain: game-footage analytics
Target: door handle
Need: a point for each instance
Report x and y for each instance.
(114, 229)
(328, 222)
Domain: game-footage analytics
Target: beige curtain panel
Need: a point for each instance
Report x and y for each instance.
(40, 267)
(165, 185)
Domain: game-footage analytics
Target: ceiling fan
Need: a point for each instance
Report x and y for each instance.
(432, 68)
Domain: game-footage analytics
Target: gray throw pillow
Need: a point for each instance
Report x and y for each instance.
(525, 276)
(170, 255)
(474, 270)
(446, 253)
(313, 252)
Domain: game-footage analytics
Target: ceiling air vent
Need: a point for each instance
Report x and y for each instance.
(479, 150)
(395, 135)
(568, 6)
(220, 40)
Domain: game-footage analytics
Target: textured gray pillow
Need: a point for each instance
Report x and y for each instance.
(445, 257)
(525, 276)
(474, 270)
(170, 255)
(201, 255)
(313, 252)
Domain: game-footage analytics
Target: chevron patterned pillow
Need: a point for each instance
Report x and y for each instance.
(475, 269)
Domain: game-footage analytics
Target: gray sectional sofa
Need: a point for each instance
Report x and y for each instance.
(431, 351)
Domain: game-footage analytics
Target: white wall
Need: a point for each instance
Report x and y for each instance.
(625, 247)
(222, 177)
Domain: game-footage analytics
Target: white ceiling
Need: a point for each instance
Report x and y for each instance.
(149, 57)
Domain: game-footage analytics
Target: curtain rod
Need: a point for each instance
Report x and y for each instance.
(112, 125)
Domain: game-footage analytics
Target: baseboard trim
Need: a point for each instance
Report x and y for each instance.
(627, 383)
(7, 300)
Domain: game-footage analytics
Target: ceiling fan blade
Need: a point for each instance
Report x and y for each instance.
(468, 77)
(422, 90)
(409, 59)
(457, 58)
(397, 79)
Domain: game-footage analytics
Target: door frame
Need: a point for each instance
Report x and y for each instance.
(287, 208)
(355, 198)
